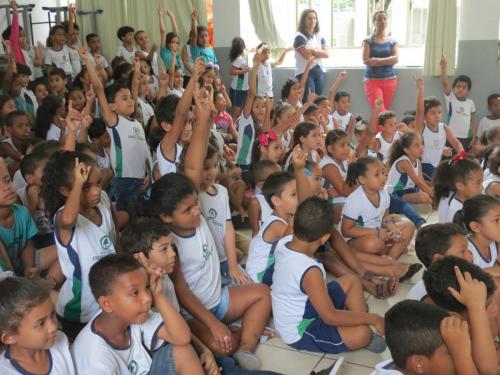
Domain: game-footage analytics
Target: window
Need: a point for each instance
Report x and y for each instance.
(345, 23)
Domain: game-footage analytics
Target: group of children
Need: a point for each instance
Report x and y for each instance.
(123, 185)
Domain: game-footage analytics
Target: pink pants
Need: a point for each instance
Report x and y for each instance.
(381, 88)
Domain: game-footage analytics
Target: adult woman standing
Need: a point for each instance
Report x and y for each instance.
(380, 54)
(309, 44)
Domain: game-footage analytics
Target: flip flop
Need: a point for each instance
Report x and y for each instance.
(247, 360)
(412, 270)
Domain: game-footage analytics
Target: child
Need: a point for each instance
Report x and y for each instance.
(40, 89)
(145, 51)
(467, 291)
(405, 176)
(258, 208)
(455, 181)
(58, 82)
(493, 120)
(285, 119)
(433, 242)
(388, 134)
(127, 49)
(17, 228)
(121, 337)
(283, 193)
(130, 157)
(28, 329)
(308, 313)
(491, 183)
(7, 105)
(365, 215)
(460, 109)
(170, 42)
(267, 147)
(340, 102)
(94, 46)
(84, 231)
(200, 41)
(73, 40)
(56, 56)
(50, 119)
(434, 132)
(239, 72)
(479, 216)
(308, 136)
(223, 121)
(424, 339)
(14, 147)
(265, 72)
(100, 142)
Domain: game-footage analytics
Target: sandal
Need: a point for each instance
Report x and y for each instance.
(412, 270)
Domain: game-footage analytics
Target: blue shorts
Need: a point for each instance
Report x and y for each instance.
(219, 311)
(412, 190)
(319, 336)
(428, 171)
(237, 97)
(163, 361)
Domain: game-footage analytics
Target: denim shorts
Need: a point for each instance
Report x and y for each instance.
(428, 171)
(237, 97)
(219, 311)
(163, 361)
(127, 190)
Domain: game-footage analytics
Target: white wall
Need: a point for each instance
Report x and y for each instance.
(226, 21)
(479, 20)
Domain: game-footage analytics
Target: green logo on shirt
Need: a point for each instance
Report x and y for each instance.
(106, 242)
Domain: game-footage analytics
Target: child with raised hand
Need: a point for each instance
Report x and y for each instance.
(340, 102)
(464, 289)
(265, 73)
(491, 183)
(130, 157)
(283, 192)
(433, 242)
(28, 330)
(434, 133)
(145, 51)
(120, 338)
(308, 313)
(461, 111)
(424, 339)
(84, 231)
(57, 56)
(200, 43)
(169, 41)
(405, 177)
(455, 181)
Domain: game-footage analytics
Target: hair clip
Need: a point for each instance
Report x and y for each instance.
(458, 157)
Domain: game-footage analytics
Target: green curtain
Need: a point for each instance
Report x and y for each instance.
(441, 36)
(141, 15)
(263, 21)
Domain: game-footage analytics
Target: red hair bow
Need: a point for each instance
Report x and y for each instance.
(266, 138)
(460, 156)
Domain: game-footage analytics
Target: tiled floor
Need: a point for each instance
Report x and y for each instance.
(279, 357)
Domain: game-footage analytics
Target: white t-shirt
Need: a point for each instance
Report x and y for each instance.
(265, 80)
(8, 140)
(154, 61)
(490, 179)
(54, 133)
(486, 124)
(168, 289)
(88, 244)
(60, 359)
(74, 58)
(418, 292)
(177, 92)
(259, 252)
(342, 167)
(164, 164)
(240, 81)
(126, 54)
(342, 120)
(246, 137)
(215, 209)
(18, 180)
(105, 63)
(103, 161)
(29, 58)
(434, 144)
(146, 109)
(316, 42)
(129, 149)
(385, 147)
(200, 264)
(60, 59)
(265, 208)
(447, 208)
(459, 112)
(94, 354)
(386, 368)
(479, 260)
(397, 180)
(360, 209)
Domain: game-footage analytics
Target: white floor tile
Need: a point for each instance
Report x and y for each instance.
(286, 361)
(347, 369)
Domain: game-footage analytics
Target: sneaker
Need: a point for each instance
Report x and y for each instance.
(377, 344)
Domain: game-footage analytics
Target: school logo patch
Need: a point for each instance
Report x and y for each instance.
(106, 242)
(212, 214)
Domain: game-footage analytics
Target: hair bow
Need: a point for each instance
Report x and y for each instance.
(266, 138)
(458, 157)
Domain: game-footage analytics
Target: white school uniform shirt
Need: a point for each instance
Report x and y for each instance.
(94, 354)
(54, 133)
(154, 61)
(130, 155)
(265, 208)
(103, 161)
(88, 244)
(342, 120)
(168, 290)
(18, 180)
(459, 113)
(360, 209)
(398, 180)
(490, 179)
(286, 139)
(146, 109)
(104, 62)
(386, 368)
(287, 295)
(342, 167)
(385, 147)
(74, 58)
(126, 54)
(418, 292)
(315, 42)
(448, 207)
(240, 81)
(200, 264)
(8, 140)
(478, 259)
(486, 124)
(265, 80)
(434, 144)
(177, 92)
(166, 165)
(259, 250)
(60, 59)
(246, 138)
(60, 359)
(215, 209)
(29, 58)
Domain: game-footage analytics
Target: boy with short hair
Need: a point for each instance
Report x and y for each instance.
(466, 291)
(308, 313)
(433, 242)
(120, 338)
(127, 50)
(423, 339)
(94, 45)
(58, 83)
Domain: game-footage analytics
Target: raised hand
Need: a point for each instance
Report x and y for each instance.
(155, 273)
(419, 82)
(257, 58)
(455, 334)
(84, 55)
(472, 292)
(204, 105)
(81, 171)
(194, 15)
(90, 94)
(443, 62)
(13, 4)
(163, 79)
(160, 10)
(198, 68)
(73, 118)
(299, 158)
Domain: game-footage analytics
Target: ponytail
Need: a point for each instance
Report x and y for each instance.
(302, 130)
(398, 147)
(475, 209)
(358, 168)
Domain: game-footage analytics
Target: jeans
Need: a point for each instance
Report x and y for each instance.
(315, 81)
(400, 206)
(163, 361)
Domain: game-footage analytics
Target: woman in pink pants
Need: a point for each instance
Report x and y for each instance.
(380, 54)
